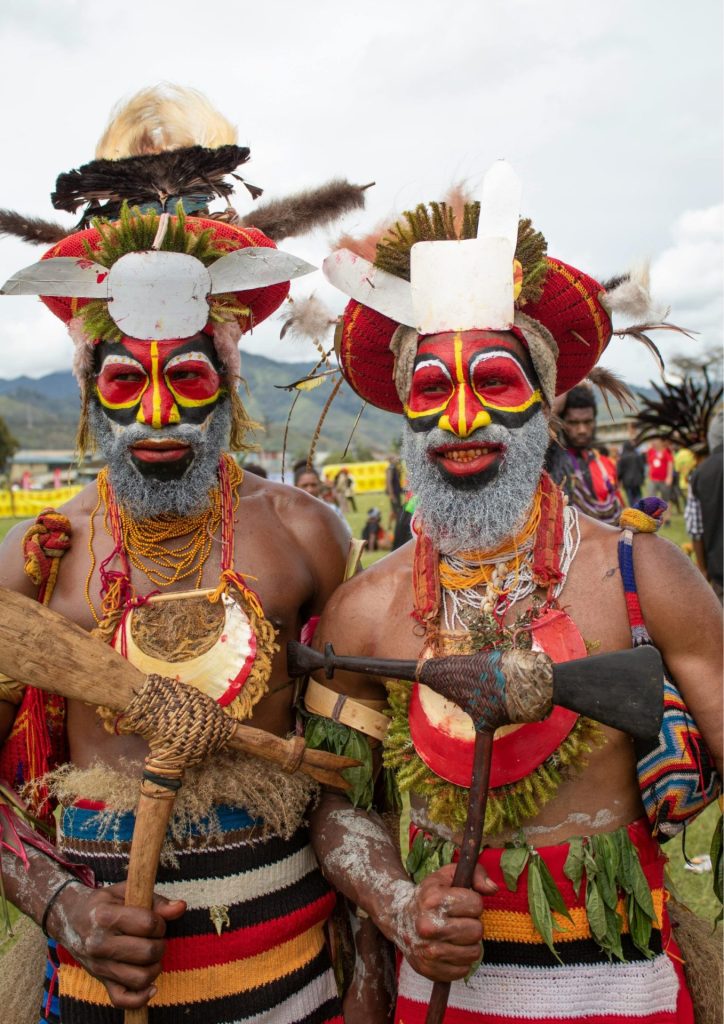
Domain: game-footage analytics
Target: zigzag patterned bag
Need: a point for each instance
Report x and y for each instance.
(676, 772)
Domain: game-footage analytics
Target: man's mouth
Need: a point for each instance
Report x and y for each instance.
(167, 450)
(468, 459)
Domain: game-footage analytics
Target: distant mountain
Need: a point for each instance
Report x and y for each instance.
(43, 413)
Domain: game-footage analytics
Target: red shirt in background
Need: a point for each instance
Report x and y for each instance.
(660, 464)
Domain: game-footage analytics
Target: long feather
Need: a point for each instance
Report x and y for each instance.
(35, 230)
(291, 410)
(609, 383)
(308, 383)
(322, 417)
(352, 431)
(302, 212)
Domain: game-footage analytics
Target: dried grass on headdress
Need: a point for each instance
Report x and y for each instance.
(160, 118)
(302, 212)
(701, 951)
(136, 232)
(443, 221)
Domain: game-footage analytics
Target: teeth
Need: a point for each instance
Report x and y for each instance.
(466, 454)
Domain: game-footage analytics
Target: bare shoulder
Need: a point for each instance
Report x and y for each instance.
(303, 525)
(12, 571)
(364, 607)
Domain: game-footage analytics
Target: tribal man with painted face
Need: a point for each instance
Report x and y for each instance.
(197, 573)
(470, 334)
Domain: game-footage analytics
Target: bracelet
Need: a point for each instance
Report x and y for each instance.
(51, 902)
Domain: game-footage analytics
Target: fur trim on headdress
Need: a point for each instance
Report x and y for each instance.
(83, 350)
(629, 296)
(226, 343)
(404, 346)
(160, 118)
(543, 353)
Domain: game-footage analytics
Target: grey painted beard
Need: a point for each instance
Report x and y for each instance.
(461, 517)
(146, 498)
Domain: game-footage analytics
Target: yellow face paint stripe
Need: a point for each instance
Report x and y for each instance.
(120, 405)
(155, 384)
(535, 397)
(192, 403)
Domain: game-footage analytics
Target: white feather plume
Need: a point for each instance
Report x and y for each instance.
(161, 118)
(631, 297)
(309, 319)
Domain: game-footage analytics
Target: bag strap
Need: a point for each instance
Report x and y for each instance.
(646, 516)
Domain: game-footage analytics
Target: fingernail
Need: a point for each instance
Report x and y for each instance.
(152, 991)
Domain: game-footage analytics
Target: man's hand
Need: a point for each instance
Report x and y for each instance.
(121, 946)
(439, 929)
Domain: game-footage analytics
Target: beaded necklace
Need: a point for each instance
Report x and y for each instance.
(138, 542)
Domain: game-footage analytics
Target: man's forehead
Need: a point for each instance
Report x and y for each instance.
(472, 342)
(141, 350)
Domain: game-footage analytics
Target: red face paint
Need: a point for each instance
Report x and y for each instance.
(465, 380)
(159, 382)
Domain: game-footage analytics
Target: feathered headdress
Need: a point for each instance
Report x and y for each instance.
(680, 413)
(168, 144)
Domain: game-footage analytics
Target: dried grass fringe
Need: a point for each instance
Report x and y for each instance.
(701, 950)
(265, 791)
(22, 975)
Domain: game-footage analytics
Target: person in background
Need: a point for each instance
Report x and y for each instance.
(704, 512)
(306, 478)
(372, 532)
(393, 488)
(631, 468)
(587, 476)
(344, 488)
(257, 470)
(660, 464)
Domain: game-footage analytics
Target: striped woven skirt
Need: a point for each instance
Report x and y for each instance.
(250, 946)
(520, 979)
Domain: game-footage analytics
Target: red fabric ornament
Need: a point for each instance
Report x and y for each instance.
(569, 307)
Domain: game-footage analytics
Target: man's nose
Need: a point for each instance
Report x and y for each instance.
(158, 408)
(464, 413)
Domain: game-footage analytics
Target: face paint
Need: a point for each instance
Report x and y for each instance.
(464, 381)
(158, 400)
(158, 383)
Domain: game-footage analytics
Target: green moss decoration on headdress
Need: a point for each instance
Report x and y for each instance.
(436, 222)
(135, 232)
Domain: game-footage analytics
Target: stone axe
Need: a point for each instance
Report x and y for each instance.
(623, 689)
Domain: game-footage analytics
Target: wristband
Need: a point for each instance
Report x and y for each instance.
(51, 902)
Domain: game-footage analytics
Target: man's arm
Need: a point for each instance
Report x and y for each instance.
(684, 619)
(436, 927)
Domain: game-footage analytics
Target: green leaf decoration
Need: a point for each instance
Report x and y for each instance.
(512, 862)
(325, 734)
(414, 857)
(639, 924)
(605, 876)
(427, 854)
(553, 894)
(596, 912)
(468, 977)
(540, 911)
(573, 868)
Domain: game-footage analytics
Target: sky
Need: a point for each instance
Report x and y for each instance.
(610, 113)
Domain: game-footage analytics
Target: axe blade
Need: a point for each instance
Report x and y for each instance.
(623, 689)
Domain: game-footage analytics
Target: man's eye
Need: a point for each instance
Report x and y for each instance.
(129, 377)
(178, 375)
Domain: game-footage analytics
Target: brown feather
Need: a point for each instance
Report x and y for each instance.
(322, 417)
(35, 230)
(609, 383)
(302, 212)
